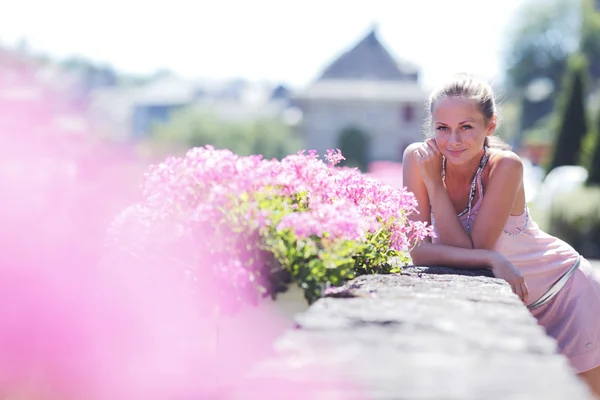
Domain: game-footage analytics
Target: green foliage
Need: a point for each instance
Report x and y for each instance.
(573, 125)
(92, 74)
(509, 119)
(543, 131)
(540, 40)
(590, 36)
(575, 218)
(377, 256)
(544, 35)
(312, 262)
(354, 144)
(594, 149)
(191, 127)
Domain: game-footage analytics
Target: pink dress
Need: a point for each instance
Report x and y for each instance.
(572, 317)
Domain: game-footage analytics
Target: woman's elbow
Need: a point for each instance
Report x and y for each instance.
(414, 258)
(417, 253)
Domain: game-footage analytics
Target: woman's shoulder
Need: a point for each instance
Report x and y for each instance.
(412, 147)
(505, 161)
(409, 151)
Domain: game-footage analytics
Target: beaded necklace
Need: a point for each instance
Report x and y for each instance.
(467, 210)
(482, 165)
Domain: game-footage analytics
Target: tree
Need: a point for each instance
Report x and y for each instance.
(191, 127)
(354, 143)
(540, 40)
(538, 45)
(590, 36)
(573, 125)
(93, 75)
(594, 168)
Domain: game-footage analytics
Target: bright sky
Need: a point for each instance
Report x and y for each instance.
(276, 40)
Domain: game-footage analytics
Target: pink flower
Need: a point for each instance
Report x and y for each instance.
(336, 220)
(334, 157)
(215, 202)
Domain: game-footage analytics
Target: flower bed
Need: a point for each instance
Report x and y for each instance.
(246, 227)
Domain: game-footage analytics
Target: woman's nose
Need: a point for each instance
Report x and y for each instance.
(454, 137)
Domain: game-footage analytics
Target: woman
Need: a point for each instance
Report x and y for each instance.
(470, 188)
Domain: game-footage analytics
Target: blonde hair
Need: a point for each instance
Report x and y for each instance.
(467, 86)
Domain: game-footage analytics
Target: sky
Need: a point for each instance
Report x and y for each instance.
(273, 40)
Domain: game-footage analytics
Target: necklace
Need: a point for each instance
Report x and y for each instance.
(480, 168)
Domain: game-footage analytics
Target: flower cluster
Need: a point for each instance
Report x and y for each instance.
(251, 225)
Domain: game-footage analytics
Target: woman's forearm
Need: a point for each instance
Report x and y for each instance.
(439, 254)
(448, 226)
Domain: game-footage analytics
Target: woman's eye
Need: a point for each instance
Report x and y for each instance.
(441, 128)
(467, 127)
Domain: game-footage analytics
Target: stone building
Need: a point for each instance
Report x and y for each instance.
(365, 102)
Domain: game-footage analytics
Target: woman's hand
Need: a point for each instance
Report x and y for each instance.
(429, 161)
(504, 269)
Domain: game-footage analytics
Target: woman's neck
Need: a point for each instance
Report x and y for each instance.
(464, 172)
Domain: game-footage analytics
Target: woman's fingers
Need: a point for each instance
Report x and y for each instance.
(525, 291)
(431, 143)
(520, 291)
(422, 152)
(515, 288)
(418, 154)
(429, 151)
(519, 287)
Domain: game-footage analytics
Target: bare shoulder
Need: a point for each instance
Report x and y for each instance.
(408, 155)
(506, 162)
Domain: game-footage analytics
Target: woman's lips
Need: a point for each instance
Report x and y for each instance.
(455, 153)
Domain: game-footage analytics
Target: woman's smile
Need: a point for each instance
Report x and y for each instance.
(456, 153)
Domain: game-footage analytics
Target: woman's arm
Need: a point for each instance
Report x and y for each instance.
(427, 253)
(501, 195)
(448, 225)
(439, 254)
(432, 195)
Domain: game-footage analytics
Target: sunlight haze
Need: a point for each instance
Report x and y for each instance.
(263, 39)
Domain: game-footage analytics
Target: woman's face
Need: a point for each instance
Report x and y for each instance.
(460, 129)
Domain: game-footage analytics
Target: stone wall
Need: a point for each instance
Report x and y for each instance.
(430, 333)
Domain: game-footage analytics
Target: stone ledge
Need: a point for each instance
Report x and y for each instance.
(428, 333)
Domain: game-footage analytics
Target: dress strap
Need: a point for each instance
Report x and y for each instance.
(480, 185)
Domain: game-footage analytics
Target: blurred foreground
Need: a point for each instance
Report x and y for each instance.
(78, 328)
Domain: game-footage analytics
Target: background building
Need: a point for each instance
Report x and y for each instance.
(365, 98)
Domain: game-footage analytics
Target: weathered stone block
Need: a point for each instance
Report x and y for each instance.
(429, 333)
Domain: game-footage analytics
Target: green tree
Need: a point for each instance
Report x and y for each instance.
(590, 36)
(594, 168)
(539, 41)
(354, 145)
(92, 74)
(573, 125)
(191, 127)
(538, 44)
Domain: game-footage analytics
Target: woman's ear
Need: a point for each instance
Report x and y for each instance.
(491, 128)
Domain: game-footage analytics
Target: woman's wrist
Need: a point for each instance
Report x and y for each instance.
(493, 258)
(434, 184)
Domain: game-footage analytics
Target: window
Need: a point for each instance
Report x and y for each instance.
(408, 113)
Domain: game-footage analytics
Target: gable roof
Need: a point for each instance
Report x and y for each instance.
(367, 60)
